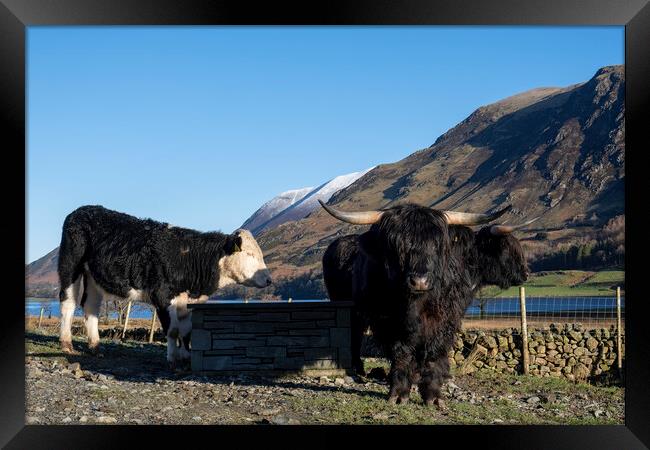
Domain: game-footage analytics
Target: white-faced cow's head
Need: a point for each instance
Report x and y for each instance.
(243, 262)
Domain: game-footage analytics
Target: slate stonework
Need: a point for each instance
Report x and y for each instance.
(271, 337)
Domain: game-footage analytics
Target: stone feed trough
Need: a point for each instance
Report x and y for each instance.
(271, 337)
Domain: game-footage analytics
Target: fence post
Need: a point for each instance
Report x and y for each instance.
(524, 328)
(40, 317)
(153, 325)
(126, 319)
(619, 344)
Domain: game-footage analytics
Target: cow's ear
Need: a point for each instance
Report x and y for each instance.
(368, 244)
(233, 244)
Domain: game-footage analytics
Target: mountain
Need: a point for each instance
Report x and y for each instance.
(296, 204)
(273, 207)
(555, 152)
(41, 277)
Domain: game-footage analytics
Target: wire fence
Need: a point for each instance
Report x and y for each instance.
(504, 312)
(484, 313)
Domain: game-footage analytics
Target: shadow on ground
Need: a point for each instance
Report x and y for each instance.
(146, 363)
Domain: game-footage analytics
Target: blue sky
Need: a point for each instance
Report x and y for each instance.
(198, 126)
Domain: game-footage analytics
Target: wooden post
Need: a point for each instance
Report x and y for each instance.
(524, 328)
(40, 317)
(153, 326)
(126, 319)
(619, 343)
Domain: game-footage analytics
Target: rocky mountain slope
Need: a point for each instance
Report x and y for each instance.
(557, 153)
(41, 277)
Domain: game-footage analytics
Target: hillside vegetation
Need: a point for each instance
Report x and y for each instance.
(566, 283)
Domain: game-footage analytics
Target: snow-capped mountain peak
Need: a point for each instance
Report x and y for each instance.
(274, 206)
(298, 203)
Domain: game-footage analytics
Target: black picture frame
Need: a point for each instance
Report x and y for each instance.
(16, 15)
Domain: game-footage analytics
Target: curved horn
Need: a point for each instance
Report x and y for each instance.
(460, 218)
(357, 218)
(500, 230)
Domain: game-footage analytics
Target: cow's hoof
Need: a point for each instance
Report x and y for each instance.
(439, 403)
(403, 400)
(185, 364)
(95, 350)
(392, 399)
(66, 347)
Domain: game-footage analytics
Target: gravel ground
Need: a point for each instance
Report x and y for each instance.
(131, 384)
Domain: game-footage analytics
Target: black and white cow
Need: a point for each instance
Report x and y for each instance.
(106, 254)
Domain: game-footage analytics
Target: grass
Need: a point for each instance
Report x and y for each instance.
(372, 408)
(565, 283)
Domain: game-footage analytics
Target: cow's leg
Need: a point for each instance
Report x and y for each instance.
(185, 346)
(172, 346)
(91, 304)
(433, 375)
(69, 297)
(356, 338)
(401, 374)
(185, 332)
(172, 337)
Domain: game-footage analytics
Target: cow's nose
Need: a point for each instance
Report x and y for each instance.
(418, 282)
(269, 281)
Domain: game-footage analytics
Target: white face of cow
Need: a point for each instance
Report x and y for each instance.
(245, 265)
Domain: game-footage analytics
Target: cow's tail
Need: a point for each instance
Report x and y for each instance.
(72, 255)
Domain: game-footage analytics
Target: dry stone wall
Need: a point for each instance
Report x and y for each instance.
(566, 350)
(561, 350)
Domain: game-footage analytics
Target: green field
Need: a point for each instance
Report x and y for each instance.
(565, 283)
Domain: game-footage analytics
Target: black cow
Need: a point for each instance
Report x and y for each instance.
(338, 262)
(106, 254)
(491, 256)
(409, 285)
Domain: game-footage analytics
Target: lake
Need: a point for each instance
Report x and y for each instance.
(554, 306)
(52, 309)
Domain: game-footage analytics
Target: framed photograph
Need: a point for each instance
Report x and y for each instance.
(363, 214)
